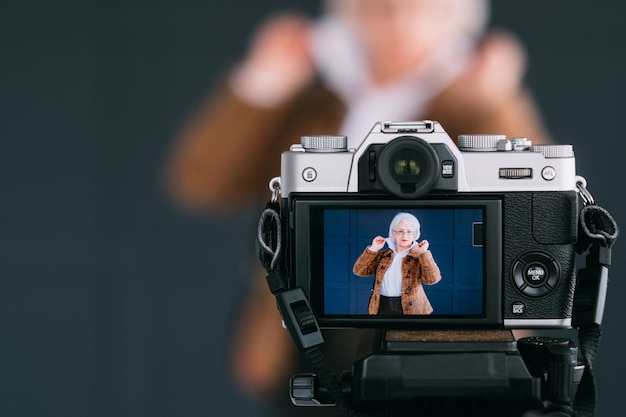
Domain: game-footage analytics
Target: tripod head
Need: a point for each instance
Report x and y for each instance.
(455, 373)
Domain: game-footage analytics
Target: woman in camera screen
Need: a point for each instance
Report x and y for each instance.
(400, 270)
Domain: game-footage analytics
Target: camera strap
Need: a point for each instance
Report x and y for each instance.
(298, 317)
(597, 232)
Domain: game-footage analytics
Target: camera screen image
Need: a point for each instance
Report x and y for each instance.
(376, 262)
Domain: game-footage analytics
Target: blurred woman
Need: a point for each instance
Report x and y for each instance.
(364, 61)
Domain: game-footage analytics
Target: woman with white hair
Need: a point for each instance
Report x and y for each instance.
(400, 270)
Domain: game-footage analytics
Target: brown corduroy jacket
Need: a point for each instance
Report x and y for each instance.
(417, 269)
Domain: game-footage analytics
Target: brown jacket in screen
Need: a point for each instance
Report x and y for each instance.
(417, 269)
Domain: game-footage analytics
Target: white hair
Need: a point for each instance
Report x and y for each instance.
(407, 218)
(472, 16)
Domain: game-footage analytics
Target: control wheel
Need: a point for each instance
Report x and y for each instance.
(536, 274)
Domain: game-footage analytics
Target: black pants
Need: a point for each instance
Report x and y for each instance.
(390, 305)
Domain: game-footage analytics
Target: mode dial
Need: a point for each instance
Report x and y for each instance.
(324, 143)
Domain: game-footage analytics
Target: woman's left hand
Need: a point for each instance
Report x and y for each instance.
(420, 247)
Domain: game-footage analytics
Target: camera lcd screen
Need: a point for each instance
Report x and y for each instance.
(382, 263)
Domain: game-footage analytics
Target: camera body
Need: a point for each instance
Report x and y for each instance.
(500, 216)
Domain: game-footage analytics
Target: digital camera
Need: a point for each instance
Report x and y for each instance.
(500, 217)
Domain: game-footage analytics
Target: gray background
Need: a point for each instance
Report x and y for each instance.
(115, 303)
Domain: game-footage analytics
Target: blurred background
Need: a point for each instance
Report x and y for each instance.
(113, 301)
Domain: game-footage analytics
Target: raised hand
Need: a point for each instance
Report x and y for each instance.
(420, 247)
(278, 63)
(377, 243)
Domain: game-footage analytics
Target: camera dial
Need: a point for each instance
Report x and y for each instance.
(493, 143)
(554, 151)
(480, 143)
(324, 143)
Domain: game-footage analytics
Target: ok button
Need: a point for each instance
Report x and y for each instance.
(536, 275)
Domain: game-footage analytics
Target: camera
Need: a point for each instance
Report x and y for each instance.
(482, 239)
(500, 217)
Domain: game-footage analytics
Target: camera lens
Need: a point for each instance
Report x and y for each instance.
(408, 167)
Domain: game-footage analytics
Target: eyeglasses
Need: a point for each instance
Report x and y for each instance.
(404, 232)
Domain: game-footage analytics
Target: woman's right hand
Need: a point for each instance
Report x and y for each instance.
(279, 61)
(377, 243)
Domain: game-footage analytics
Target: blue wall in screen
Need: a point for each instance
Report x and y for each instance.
(450, 234)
